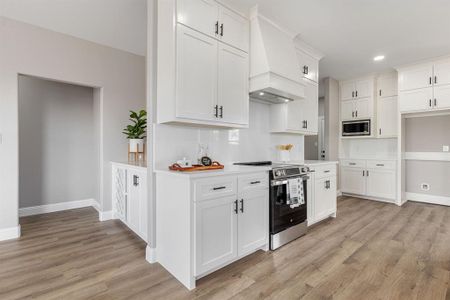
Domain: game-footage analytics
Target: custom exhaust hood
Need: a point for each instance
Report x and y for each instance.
(275, 75)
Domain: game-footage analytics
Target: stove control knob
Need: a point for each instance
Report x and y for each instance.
(278, 173)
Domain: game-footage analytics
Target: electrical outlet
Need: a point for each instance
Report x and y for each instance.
(445, 148)
(425, 187)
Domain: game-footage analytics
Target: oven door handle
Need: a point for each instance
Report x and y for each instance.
(281, 182)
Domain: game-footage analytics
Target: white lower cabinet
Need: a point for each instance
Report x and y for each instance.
(129, 193)
(372, 178)
(323, 194)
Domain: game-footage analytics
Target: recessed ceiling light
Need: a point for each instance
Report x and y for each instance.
(378, 58)
(261, 93)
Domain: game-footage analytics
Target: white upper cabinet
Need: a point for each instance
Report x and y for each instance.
(233, 29)
(416, 100)
(357, 101)
(309, 66)
(363, 88)
(347, 90)
(387, 115)
(441, 73)
(201, 15)
(196, 84)
(364, 108)
(387, 85)
(415, 77)
(441, 97)
(347, 110)
(310, 122)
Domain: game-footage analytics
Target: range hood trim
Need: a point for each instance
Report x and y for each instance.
(277, 85)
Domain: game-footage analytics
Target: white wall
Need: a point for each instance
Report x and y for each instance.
(58, 156)
(256, 143)
(30, 50)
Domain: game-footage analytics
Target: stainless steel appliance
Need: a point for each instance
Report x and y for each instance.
(287, 219)
(356, 128)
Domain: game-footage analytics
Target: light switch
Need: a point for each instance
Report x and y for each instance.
(445, 148)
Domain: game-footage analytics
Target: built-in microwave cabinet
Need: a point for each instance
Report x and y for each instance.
(356, 89)
(202, 77)
(215, 20)
(425, 87)
(357, 99)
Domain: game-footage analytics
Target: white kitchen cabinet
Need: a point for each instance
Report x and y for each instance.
(309, 66)
(201, 15)
(355, 89)
(357, 99)
(233, 29)
(347, 110)
(310, 110)
(129, 193)
(196, 84)
(415, 77)
(205, 221)
(347, 90)
(416, 100)
(441, 97)
(233, 103)
(387, 114)
(441, 72)
(353, 181)
(381, 183)
(357, 109)
(216, 233)
(387, 85)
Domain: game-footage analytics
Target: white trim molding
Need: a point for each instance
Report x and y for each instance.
(48, 208)
(426, 198)
(434, 156)
(10, 233)
(105, 215)
(150, 254)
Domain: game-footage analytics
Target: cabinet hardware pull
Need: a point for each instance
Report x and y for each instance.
(326, 171)
(219, 188)
(380, 165)
(216, 111)
(356, 113)
(353, 94)
(221, 29)
(380, 131)
(352, 164)
(364, 173)
(255, 182)
(305, 70)
(430, 103)
(367, 173)
(306, 124)
(380, 92)
(435, 102)
(242, 205)
(435, 79)
(221, 111)
(356, 94)
(353, 114)
(217, 28)
(135, 180)
(236, 207)
(430, 80)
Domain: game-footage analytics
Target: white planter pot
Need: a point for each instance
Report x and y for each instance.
(136, 145)
(284, 155)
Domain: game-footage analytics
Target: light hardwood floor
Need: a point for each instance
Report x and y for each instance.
(371, 251)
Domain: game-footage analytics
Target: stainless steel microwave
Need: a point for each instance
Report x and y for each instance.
(356, 128)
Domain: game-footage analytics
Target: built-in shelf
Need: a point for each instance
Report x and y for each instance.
(432, 156)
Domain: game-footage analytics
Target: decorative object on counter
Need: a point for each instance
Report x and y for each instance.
(214, 166)
(206, 161)
(202, 152)
(184, 163)
(284, 152)
(136, 134)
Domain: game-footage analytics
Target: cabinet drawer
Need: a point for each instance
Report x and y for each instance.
(381, 164)
(324, 171)
(355, 163)
(210, 188)
(247, 183)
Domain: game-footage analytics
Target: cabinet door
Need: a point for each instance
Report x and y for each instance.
(253, 220)
(233, 29)
(353, 181)
(364, 108)
(347, 110)
(416, 77)
(387, 117)
(120, 193)
(201, 15)
(324, 198)
(137, 203)
(233, 93)
(416, 100)
(387, 85)
(215, 233)
(309, 66)
(442, 73)
(381, 183)
(363, 88)
(311, 108)
(442, 97)
(295, 114)
(196, 75)
(347, 90)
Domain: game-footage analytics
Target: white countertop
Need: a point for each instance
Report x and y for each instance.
(311, 162)
(228, 170)
(131, 164)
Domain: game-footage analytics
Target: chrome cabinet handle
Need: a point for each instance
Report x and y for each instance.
(242, 205)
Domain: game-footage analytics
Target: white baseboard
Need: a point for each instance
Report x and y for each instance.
(433, 199)
(338, 193)
(105, 215)
(150, 254)
(48, 208)
(10, 233)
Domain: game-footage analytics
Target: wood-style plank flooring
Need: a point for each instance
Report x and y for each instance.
(370, 251)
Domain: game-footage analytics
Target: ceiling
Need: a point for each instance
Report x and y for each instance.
(351, 32)
(119, 24)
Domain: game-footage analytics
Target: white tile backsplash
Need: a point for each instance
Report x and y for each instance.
(173, 142)
(369, 148)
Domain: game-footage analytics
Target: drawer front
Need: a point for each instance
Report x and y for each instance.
(355, 163)
(324, 171)
(381, 164)
(215, 187)
(251, 182)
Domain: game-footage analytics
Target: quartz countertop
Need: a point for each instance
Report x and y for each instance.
(228, 170)
(131, 164)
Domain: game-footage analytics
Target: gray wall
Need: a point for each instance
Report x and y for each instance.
(58, 146)
(331, 113)
(434, 173)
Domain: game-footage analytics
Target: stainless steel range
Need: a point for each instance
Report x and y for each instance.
(288, 201)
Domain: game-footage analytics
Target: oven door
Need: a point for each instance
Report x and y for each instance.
(282, 216)
(356, 128)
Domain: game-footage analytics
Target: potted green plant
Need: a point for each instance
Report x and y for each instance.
(136, 132)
